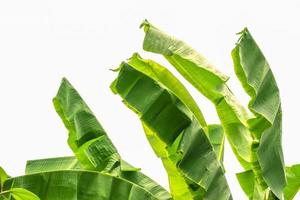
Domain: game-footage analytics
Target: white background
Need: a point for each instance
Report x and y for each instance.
(42, 41)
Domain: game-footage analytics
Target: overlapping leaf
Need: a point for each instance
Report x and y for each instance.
(210, 82)
(255, 139)
(174, 131)
(90, 143)
(75, 184)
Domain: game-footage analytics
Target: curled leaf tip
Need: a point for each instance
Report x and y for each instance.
(242, 34)
(145, 24)
(114, 69)
(134, 55)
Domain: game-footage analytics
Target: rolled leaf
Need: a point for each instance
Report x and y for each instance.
(210, 82)
(254, 73)
(90, 143)
(80, 185)
(173, 130)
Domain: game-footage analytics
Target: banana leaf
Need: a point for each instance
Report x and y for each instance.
(250, 134)
(79, 185)
(16, 192)
(173, 130)
(217, 139)
(210, 82)
(293, 182)
(247, 182)
(163, 76)
(3, 177)
(51, 164)
(253, 71)
(91, 145)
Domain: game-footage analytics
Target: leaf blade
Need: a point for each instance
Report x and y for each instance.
(157, 106)
(293, 182)
(23, 194)
(257, 79)
(90, 143)
(208, 81)
(76, 184)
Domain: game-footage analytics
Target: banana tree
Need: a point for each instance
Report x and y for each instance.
(191, 150)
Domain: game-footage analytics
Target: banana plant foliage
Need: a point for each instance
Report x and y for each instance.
(254, 133)
(191, 150)
(173, 130)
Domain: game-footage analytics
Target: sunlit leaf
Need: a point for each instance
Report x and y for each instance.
(172, 129)
(81, 185)
(257, 79)
(90, 143)
(293, 181)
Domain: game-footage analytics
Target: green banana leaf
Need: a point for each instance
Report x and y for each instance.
(51, 164)
(210, 82)
(163, 76)
(79, 185)
(22, 194)
(16, 192)
(253, 71)
(247, 182)
(172, 128)
(217, 139)
(261, 154)
(3, 177)
(91, 145)
(293, 182)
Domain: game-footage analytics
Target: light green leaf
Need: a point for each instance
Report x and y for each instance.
(293, 181)
(3, 177)
(210, 82)
(217, 139)
(168, 80)
(23, 194)
(257, 79)
(247, 182)
(90, 143)
(51, 164)
(172, 128)
(80, 185)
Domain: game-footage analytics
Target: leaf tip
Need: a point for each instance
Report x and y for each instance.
(145, 24)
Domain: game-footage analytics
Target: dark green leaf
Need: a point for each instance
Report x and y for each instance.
(79, 185)
(254, 73)
(90, 143)
(172, 129)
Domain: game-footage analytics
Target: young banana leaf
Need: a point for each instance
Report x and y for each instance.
(163, 76)
(76, 184)
(91, 145)
(175, 132)
(255, 138)
(210, 82)
(257, 79)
